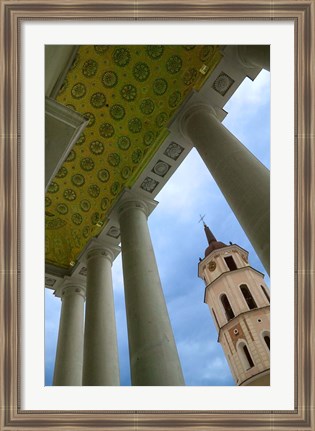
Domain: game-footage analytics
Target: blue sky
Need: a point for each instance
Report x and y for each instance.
(179, 241)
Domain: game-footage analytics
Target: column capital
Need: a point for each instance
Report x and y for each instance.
(192, 110)
(71, 286)
(253, 56)
(106, 248)
(133, 204)
(106, 252)
(131, 199)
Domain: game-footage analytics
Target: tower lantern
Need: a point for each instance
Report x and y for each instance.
(239, 302)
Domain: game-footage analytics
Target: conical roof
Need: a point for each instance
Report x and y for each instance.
(213, 243)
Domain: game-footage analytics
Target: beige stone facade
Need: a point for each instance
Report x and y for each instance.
(239, 302)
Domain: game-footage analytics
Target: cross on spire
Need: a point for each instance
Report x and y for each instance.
(202, 219)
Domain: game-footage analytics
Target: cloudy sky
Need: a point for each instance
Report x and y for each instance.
(179, 241)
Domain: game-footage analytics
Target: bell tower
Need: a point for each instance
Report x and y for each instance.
(239, 302)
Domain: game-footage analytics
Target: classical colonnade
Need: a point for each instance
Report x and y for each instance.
(87, 352)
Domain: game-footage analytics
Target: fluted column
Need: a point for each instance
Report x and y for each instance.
(243, 179)
(100, 365)
(254, 56)
(69, 355)
(154, 359)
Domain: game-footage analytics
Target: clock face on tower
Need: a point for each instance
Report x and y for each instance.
(212, 265)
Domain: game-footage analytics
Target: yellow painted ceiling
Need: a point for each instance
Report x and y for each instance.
(129, 94)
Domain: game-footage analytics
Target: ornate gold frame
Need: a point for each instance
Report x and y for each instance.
(302, 13)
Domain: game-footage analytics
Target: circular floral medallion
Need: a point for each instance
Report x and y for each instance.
(103, 175)
(87, 164)
(159, 86)
(53, 187)
(85, 205)
(117, 112)
(91, 117)
(206, 52)
(97, 147)
(161, 168)
(78, 180)
(98, 100)
(147, 106)
(107, 130)
(136, 156)
(55, 224)
(161, 119)
(125, 172)
(89, 68)
(81, 139)
(174, 99)
(62, 172)
(141, 71)
(148, 138)
(62, 209)
(109, 79)
(77, 218)
(47, 201)
(78, 90)
(128, 92)
(123, 142)
(94, 190)
(86, 231)
(190, 76)
(95, 218)
(71, 156)
(135, 125)
(155, 51)
(113, 159)
(104, 203)
(101, 49)
(174, 64)
(121, 56)
(69, 195)
(115, 188)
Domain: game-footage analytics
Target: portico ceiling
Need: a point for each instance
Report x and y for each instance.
(129, 94)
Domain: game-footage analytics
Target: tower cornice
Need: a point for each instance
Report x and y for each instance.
(243, 313)
(231, 272)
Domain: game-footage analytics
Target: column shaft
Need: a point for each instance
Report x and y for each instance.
(100, 365)
(69, 355)
(154, 359)
(243, 179)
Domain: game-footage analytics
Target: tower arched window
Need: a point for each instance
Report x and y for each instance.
(227, 307)
(267, 341)
(245, 356)
(266, 293)
(266, 337)
(230, 263)
(248, 296)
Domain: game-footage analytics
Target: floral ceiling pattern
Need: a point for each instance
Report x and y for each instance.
(129, 94)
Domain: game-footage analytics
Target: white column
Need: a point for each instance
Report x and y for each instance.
(254, 56)
(100, 364)
(243, 179)
(69, 355)
(153, 354)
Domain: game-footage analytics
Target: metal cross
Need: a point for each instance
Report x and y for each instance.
(201, 218)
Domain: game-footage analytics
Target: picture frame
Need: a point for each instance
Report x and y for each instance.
(301, 12)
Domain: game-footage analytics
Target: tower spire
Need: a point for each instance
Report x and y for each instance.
(212, 241)
(209, 234)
